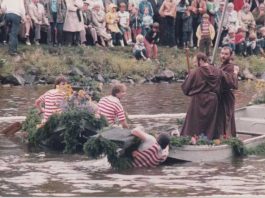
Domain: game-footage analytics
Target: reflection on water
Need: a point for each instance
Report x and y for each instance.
(25, 173)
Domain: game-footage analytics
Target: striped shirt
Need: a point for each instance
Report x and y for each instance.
(149, 154)
(111, 108)
(205, 29)
(52, 99)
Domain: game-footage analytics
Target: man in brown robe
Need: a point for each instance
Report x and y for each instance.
(203, 85)
(226, 115)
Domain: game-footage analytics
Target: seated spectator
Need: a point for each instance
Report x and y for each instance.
(251, 45)
(231, 20)
(261, 41)
(89, 29)
(152, 151)
(187, 28)
(240, 42)
(124, 23)
(151, 40)
(147, 21)
(111, 107)
(112, 21)
(259, 15)
(38, 15)
(135, 22)
(98, 21)
(139, 50)
(205, 34)
(229, 40)
(246, 19)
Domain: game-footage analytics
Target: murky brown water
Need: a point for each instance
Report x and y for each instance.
(48, 174)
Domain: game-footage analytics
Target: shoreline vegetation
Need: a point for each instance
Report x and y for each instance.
(41, 65)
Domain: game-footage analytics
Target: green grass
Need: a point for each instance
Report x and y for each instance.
(111, 63)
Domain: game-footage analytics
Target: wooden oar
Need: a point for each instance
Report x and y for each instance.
(187, 51)
(12, 129)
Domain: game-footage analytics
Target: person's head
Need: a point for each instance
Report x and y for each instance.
(119, 90)
(163, 140)
(231, 33)
(205, 17)
(139, 38)
(262, 31)
(246, 8)
(96, 7)
(112, 7)
(86, 5)
(262, 7)
(252, 36)
(226, 54)
(35, 1)
(201, 59)
(135, 11)
(146, 11)
(122, 7)
(60, 80)
(221, 6)
(230, 7)
(155, 27)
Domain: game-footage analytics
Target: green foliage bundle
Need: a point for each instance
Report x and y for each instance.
(98, 146)
(259, 150)
(237, 145)
(180, 141)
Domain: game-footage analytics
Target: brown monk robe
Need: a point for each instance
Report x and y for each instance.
(203, 85)
(226, 115)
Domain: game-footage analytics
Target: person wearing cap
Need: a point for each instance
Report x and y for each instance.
(56, 10)
(205, 34)
(14, 13)
(89, 29)
(112, 20)
(151, 40)
(152, 151)
(99, 22)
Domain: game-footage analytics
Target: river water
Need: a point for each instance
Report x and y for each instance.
(24, 173)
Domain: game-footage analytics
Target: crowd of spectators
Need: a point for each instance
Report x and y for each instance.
(140, 23)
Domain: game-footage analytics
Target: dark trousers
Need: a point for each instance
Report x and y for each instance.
(57, 30)
(178, 29)
(138, 54)
(116, 37)
(13, 21)
(196, 20)
(169, 25)
(186, 38)
(204, 45)
(72, 38)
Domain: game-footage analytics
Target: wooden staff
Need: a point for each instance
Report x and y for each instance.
(187, 50)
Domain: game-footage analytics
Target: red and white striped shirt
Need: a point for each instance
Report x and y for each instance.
(52, 100)
(151, 156)
(111, 108)
(205, 29)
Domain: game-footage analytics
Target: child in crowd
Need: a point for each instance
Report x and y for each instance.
(240, 41)
(151, 40)
(147, 21)
(135, 22)
(229, 40)
(124, 22)
(187, 27)
(205, 34)
(261, 41)
(112, 20)
(139, 50)
(251, 45)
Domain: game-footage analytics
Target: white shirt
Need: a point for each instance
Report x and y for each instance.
(14, 6)
(124, 18)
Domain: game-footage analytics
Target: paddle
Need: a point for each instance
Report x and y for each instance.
(12, 129)
(187, 52)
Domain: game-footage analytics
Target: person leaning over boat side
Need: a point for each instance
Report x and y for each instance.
(203, 85)
(226, 112)
(152, 151)
(52, 100)
(111, 107)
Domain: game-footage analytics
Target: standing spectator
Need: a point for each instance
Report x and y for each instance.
(211, 10)
(136, 22)
(38, 16)
(139, 50)
(147, 21)
(246, 19)
(89, 29)
(143, 5)
(112, 21)
(56, 10)
(74, 23)
(27, 23)
(124, 23)
(98, 21)
(205, 33)
(187, 28)
(151, 40)
(133, 4)
(168, 13)
(259, 15)
(181, 8)
(111, 107)
(15, 12)
(198, 8)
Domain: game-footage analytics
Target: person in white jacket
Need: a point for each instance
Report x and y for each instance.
(15, 13)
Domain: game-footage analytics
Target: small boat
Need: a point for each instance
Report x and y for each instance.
(250, 123)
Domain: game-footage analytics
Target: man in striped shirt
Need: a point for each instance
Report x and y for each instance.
(151, 151)
(111, 107)
(52, 100)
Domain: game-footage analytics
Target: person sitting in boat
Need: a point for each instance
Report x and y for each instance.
(111, 107)
(152, 151)
(51, 101)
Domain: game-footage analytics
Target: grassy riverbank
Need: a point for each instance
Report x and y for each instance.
(115, 63)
